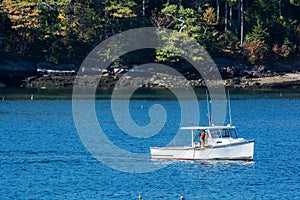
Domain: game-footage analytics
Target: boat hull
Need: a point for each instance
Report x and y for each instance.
(237, 151)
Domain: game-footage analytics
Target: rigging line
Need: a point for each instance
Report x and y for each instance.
(208, 109)
(229, 109)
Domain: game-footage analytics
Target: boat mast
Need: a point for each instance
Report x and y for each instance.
(229, 108)
(208, 109)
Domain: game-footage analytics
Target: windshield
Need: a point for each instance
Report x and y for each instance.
(224, 133)
(215, 133)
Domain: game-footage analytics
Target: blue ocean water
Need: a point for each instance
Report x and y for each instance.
(42, 156)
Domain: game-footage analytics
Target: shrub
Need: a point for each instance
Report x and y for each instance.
(257, 51)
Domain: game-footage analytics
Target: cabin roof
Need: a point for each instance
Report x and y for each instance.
(206, 127)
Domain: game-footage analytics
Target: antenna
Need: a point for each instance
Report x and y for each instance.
(229, 108)
(208, 109)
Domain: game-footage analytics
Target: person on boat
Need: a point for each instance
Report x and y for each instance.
(202, 138)
(227, 134)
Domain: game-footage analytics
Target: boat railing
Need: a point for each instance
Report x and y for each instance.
(196, 144)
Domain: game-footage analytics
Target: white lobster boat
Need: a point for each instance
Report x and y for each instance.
(221, 143)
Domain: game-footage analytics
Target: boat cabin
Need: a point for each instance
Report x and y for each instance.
(214, 135)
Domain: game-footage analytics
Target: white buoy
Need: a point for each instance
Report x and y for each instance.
(139, 197)
(31, 97)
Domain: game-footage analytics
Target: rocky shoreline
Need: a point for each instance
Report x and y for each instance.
(288, 80)
(279, 75)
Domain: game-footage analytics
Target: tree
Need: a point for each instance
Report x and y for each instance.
(184, 20)
(4, 29)
(24, 18)
(226, 16)
(65, 30)
(231, 3)
(209, 16)
(242, 21)
(295, 2)
(257, 49)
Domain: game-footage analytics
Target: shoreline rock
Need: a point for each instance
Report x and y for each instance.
(289, 80)
(48, 76)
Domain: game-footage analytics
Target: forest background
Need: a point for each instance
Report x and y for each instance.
(65, 31)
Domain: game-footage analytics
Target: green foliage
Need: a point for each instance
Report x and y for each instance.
(196, 25)
(259, 32)
(256, 48)
(65, 31)
(295, 2)
(184, 20)
(285, 50)
(178, 44)
(120, 9)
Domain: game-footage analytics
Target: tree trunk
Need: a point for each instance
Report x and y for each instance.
(242, 22)
(226, 15)
(239, 15)
(218, 11)
(144, 8)
(279, 8)
(230, 16)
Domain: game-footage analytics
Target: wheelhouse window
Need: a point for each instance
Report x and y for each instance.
(223, 133)
(226, 133)
(233, 133)
(215, 133)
